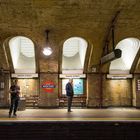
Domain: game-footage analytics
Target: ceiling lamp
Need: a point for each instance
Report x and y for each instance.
(47, 50)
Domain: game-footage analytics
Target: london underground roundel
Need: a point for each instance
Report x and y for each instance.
(48, 86)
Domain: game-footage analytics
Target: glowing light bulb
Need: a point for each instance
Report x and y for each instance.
(47, 51)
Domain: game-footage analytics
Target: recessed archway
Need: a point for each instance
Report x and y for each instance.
(73, 57)
(130, 48)
(23, 54)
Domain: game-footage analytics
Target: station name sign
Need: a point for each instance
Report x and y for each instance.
(72, 75)
(48, 86)
(24, 75)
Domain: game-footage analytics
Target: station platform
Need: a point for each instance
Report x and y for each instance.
(110, 114)
(80, 124)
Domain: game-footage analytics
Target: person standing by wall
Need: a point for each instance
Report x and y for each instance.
(69, 93)
(14, 93)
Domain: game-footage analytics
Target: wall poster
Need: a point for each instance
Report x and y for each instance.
(77, 85)
(138, 84)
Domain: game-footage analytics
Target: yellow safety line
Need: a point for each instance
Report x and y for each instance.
(68, 119)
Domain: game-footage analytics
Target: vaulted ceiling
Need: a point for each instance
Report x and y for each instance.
(89, 19)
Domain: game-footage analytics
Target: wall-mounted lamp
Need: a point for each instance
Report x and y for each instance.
(47, 50)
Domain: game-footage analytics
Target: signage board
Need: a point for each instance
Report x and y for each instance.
(48, 86)
(24, 75)
(72, 76)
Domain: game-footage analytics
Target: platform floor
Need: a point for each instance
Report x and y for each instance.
(110, 114)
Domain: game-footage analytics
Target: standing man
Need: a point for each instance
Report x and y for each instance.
(14, 91)
(69, 93)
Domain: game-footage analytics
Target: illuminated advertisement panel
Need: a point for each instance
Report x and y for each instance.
(77, 85)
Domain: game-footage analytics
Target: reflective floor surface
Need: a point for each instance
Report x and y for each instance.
(111, 114)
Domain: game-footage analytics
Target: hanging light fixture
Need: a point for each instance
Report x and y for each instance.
(47, 50)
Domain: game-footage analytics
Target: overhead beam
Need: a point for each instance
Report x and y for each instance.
(110, 33)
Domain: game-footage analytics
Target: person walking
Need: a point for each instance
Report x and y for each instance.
(14, 93)
(69, 93)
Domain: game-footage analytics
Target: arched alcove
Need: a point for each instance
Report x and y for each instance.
(129, 48)
(23, 54)
(73, 56)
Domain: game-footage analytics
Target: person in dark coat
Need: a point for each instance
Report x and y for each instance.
(69, 93)
(14, 93)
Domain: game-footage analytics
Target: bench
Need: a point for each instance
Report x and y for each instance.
(32, 101)
(77, 101)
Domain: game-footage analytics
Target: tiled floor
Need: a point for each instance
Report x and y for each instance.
(113, 114)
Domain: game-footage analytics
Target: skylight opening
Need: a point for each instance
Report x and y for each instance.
(129, 47)
(23, 54)
(74, 51)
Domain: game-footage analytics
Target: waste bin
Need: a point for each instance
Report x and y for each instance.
(22, 104)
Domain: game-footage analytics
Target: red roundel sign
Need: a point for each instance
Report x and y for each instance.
(48, 86)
